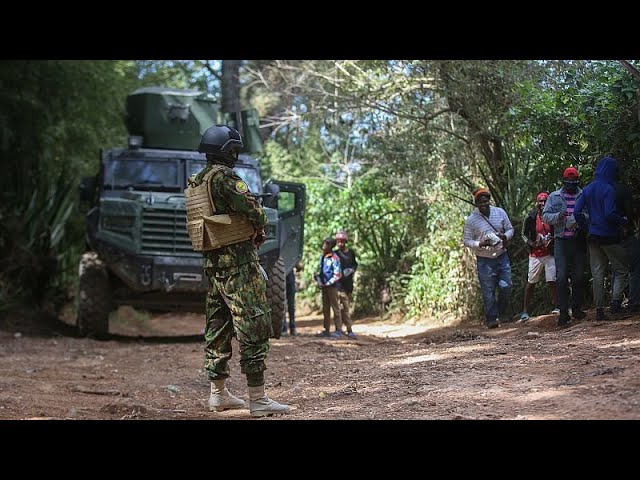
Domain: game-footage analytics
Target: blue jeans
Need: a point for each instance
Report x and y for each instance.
(495, 273)
(571, 256)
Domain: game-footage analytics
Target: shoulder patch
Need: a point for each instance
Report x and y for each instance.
(241, 187)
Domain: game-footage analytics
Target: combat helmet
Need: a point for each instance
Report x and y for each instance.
(222, 142)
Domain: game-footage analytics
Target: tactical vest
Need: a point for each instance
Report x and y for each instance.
(206, 230)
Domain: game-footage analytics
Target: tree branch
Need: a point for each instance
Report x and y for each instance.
(630, 68)
(212, 71)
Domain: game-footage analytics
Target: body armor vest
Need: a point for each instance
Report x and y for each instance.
(208, 230)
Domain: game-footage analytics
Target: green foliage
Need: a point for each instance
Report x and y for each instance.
(292, 163)
(182, 74)
(34, 250)
(442, 281)
(381, 219)
(587, 110)
(55, 115)
(386, 148)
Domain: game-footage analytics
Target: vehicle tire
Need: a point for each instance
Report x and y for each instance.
(276, 296)
(94, 297)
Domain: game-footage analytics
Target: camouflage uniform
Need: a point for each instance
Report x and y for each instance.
(236, 302)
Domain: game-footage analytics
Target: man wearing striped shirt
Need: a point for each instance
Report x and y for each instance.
(485, 232)
(570, 245)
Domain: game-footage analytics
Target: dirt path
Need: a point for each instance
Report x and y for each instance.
(533, 371)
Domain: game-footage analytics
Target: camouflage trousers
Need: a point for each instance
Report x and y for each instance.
(236, 305)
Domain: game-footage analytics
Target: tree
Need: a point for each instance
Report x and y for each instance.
(55, 115)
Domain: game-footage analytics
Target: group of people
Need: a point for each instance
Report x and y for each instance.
(558, 232)
(334, 276)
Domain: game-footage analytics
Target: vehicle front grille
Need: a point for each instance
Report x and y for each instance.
(164, 232)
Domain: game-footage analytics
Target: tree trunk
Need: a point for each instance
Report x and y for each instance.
(230, 88)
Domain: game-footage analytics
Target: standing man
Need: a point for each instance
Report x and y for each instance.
(327, 277)
(349, 266)
(539, 237)
(630, 240)
(290, 288)
(570, 245)
(486, 231)
(226, 223)
(605, 243)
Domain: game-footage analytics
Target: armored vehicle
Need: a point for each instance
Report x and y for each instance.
(138, 251)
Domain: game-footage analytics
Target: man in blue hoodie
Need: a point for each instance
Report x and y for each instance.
(599, 199)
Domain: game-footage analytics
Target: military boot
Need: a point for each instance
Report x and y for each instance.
(221, 399)
(260, 405)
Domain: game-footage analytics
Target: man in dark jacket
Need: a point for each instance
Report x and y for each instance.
(599, 199)
(290, 288)
(570, 245)
(539, 237)
(630, 240)
(349, 266)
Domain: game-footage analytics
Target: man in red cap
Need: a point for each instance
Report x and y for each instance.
(539, 237)
(571, 173)
(349, 265)
(570, 245)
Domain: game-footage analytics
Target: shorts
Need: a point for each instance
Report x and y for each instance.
(536, 264)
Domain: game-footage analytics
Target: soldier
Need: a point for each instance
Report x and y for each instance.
(226, 223)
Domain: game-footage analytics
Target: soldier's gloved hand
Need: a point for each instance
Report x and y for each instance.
(259, 237)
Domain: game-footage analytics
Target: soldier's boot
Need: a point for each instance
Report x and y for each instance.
(260, 405)
(221, 399)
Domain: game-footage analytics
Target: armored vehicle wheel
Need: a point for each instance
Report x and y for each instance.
(94, 297)
(276, 296)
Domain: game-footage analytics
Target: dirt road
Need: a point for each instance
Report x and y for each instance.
(152, 368)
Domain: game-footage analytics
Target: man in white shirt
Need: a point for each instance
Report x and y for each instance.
(486, 231)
